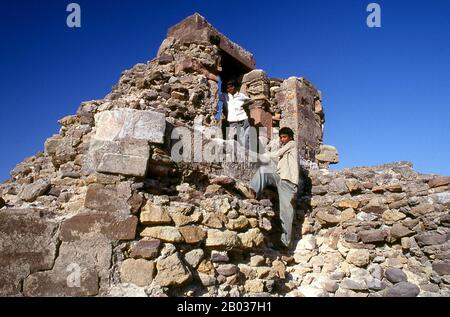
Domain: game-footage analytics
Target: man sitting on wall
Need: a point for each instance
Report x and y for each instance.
(282, 172)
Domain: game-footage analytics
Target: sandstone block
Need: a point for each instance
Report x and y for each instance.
(32, 191)
(152, 214)
(122, 124)
(359, 258)
(217, 238)
(166, 234)
(194, 257)
(113, 227)
(139, 272)
(439, 181)
(28, 244)
(146, 249)
(192, 234)
(172, 272)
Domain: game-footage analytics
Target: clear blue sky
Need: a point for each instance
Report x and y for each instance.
(386, 91)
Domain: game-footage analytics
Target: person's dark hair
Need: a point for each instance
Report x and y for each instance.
(232, 83)
(287, 131)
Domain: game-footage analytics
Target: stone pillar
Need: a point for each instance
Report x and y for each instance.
(297, 101)
(256, 85)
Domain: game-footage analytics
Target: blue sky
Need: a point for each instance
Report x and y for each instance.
(386, 91)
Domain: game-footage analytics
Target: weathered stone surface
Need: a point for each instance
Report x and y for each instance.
(399, 231)
(28, 244)
(393, 216)
(227, 269)
(347, 203)
(439, 181)
(214, 220)
(257, 260)
(348, 215)
(254, 286)
(253, 238)
(139, 272)
(223, 181)
(421, 210)
(44, 284)
(166, 234)
(152, 214)
(430, 238)
(371, 236)
(89, 258)
(219, 256)
(126, 290)
(2, 202)
(308, 242)
(375, 205)
(192, 234)
(206, 280)
(239, 224)
(217, 238)
(442, 198)
(403, 289)
(194, 257)
(327, 219)
(358, 257)
(101, 153)
(113, 227)
(102, 199)
(122, 124)
(146, 249)
(32, 191)
(328, 154)
(124, 164)
(196, 28)
(353, 186)
(172, 272)
(394, 188)
(395, 275)
(441, 268)
(310, 291)
(354, 285)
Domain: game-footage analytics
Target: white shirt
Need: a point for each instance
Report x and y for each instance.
(234, 105)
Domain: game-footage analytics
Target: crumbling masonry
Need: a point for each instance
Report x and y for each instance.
(105, 210)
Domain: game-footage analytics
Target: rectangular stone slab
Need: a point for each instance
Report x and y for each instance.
(122, 124)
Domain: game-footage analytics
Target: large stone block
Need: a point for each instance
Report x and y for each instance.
(28, 243)
(123, 164)
(112, 227)
(167, 234)
(117, 157)
(32, 191)
(139, 272)
(172, 272)
(296, 100)
(328, 154)
(103, 199)
(80, 269)
(217, 238)
(123, 124)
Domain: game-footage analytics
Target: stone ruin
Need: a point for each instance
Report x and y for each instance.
(105, 210)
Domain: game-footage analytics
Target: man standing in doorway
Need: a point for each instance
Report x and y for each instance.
(283, 173)
(237, 118)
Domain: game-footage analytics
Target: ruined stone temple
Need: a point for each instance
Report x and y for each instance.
(106, 210)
